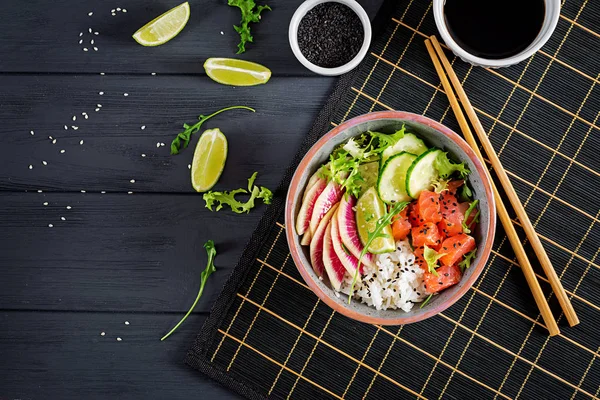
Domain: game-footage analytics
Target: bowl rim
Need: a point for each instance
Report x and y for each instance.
(294, 191)
(308, 5)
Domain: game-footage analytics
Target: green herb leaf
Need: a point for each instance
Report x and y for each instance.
(472, 206)
(386, 140)
(440, 185)
(237, 206)
(445, 167)
(250, 13)
(465, 193)
(382, 222)
(183, 138)
(210, 268)
(466, 262)
(431, 258)
(426, 300)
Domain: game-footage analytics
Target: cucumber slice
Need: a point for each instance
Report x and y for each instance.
(392, 179)
(369, 172)
(409, 143)
(422, 173)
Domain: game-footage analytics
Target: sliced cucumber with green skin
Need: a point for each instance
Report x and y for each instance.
(422, 173)
(391, 185)
(409, 143)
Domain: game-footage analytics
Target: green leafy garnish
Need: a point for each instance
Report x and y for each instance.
(210, 268)
(465, 193)
(426, 300)
(466, 262)
(183, 138)
(343, 170)
(250, 13)
(431, 258)
(445, 167)
(382, 222)
(386, 140)
(237, 206)
(472, 206)
(440, 185)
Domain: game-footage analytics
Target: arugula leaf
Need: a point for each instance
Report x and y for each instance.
(466, 262)
(426, 300)
(445, 167)
(211, 251)
(382, 222)
(237, 206)
(465, 193)
(250, 13)
(183, 138)
(472, 206)
(431, 258)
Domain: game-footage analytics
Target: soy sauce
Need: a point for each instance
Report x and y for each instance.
(494, 29)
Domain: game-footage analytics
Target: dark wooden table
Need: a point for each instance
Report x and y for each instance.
(74, 264)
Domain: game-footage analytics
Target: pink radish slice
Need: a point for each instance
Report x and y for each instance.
(313, 179)
(330, 196)
(308, 205)
(334, 267)
(316, 244)
(347, 259)
(348, 232)
(306, 238)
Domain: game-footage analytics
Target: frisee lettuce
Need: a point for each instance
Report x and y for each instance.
(431, 258)
(237, 206)
(446, 168)
(250, 13)
(211, 251)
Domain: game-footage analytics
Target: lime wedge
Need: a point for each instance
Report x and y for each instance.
(209, 159)
(164, 27)
(369, 209)
(229, 71)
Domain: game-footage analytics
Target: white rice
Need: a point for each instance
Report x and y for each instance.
(396, 282)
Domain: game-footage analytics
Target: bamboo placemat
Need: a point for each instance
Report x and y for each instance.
(270, 336)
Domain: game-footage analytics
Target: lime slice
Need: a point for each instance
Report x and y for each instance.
(164, 27)
(229, 71)
(368, 211)
(370, 173)
(209, 159)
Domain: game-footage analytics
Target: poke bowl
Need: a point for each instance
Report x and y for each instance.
(390, 218)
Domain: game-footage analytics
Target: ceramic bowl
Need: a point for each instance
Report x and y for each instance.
(434, 134)
(293, 37)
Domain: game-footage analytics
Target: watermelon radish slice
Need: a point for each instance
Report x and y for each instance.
(306, 238)
(308, 205)
(330, 196)
(316, 244)
(348, 232)
(334, 267)
(311, 182)
(347, 259)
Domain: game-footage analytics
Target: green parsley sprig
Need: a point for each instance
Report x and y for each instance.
(382, 222)
(210, 268)
(183, 138)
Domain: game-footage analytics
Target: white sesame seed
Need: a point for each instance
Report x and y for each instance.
(80, 34)
(112, 11)
(118, 8)
(50, 226)
(104, 191)
(39, 191)
(84, 113)
(50, 137)
(189, 166)
(62, 151)
(74, 127)
(113, 14)
(74, 118)
(125, 94)
(97, 109)
(44, 162)
(54, 141)
(126, 322)
(81, 141)
(63, 219)
(90, 30)
(81, 41)
(100, 93)
(153, 74)
(96, 33)
(99, 105)
(119, 339)
(143, 155)
(83, 191)
(102, 333)
(124, 10)
(68, 207)
(92, 41)
(162, 144)
(95, 49)
(158, 144)
(129, 192)
(132, 181)
(32, 133)
(222, 33)
(91, 13)
(66, 127)
(102, 73)
(30, 166)
(45, 203)
(86, 116)
(85, 49)
(143, 127)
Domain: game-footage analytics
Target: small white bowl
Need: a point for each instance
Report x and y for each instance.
(293, 36)
(550, 21)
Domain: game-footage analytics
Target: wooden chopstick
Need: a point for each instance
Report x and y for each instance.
(538, 248)
(511, 233)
